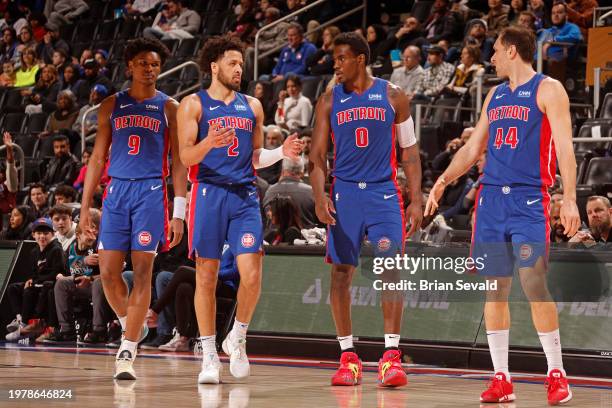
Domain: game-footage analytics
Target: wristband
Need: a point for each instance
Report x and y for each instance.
(180, 203)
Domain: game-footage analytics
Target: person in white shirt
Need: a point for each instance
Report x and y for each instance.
(65, 229)
(410, 74)
(294, 109)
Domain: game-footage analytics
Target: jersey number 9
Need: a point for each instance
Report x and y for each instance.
(134, 145)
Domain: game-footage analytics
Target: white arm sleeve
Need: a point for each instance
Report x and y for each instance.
(265, 157)
(405, 133)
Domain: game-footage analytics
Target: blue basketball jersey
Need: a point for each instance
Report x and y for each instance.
(363, 134)
(520, 148)
(139, 137)
(230, 164)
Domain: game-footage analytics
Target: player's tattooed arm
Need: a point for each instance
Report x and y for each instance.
(97, 161)
(192, 152)
(318, 158)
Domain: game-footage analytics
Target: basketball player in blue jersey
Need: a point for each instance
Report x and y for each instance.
(364, 116)
(221, 139)
(524, 127)
(140, 123)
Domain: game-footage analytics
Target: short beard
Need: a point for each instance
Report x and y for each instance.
(227, 83)
(599, 229)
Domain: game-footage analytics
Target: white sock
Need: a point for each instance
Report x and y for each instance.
(239, 331)
(208, 345)
(131, 346)
(123, 322)
(551, 343)
(498, 347)
(346, 342)
(392, 340)
(18, 317)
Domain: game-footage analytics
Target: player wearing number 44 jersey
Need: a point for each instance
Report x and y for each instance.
(140, 123)
(221, 139)
(524, 127)
(364, 116)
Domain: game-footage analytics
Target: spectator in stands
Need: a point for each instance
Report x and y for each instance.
(187, 23)
(268, 40)
(62, 119)
(29, 299)
(443, 159)
(26, 73)
(286, 221)
(409, 33)
(71, 79)
(64, 227)
(62, 12)
(291, 184)
(497, 18)
(8, 45)
(556, 228)
(19, 225)
(294, 109)
(442, 24)
(376, 35)
(13, 18)
(436, 76)
(37, 23)
(599, 213)
(86, 54)
(466, 198)
(322, 61)
(65, 195)
(244, 27)
(80, 180)
(63, 167)
(561, 31)
(59, 60)
(38, 201)
(82, 263)
(51, 42)
(527, 20)
(292, 58)
(92, 77)
(465, 73)
(26, 40)
(539, 9)
(97, 94)
(411, 73)
(580, 12)
(516, 7)
(43, 97)
(101, 57)
(9, 183)
(140, 8)
(476, 34)
(8, 77)
(273, 138)
(263, 93)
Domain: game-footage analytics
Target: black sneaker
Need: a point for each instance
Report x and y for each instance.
(61, 337)
(94, 337)
(156, 342)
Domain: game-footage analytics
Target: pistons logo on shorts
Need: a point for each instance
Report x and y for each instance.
(384, 244)
(144, 238)
(247, 240)
(526, 251)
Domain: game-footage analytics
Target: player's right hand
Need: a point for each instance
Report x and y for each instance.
(324, 210)
(434, 197)
(86, 225)
(220, 137)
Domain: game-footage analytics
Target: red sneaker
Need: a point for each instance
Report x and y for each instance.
(349, 372)
(499, 390)
(390, 370)
(558, 389)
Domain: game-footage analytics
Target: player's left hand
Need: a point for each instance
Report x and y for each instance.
(292, 147)
(177, 230)
(570, 218)
(414, 214)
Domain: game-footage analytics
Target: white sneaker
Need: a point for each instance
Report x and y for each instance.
(123, 366)
(15, 335)
(239, 362)
(16, 324)
(211, 370)
(176, 344)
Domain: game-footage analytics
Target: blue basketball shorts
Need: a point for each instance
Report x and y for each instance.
(372, 210)
(219, 214)
(134, 215)
(511, 228)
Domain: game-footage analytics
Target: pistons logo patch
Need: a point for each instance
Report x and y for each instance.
(384, 244)
(144, 238)
(526, 251)
(247, 240)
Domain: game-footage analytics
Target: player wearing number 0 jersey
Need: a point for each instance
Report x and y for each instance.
(524, 127)
(140, 123)
(221, 138)
(364, 116)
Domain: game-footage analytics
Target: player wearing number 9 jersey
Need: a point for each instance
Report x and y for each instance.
(221, 138)
(524, 127)
(140, 123)
(364, 116)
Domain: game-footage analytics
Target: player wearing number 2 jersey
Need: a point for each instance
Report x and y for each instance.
(525, 126)
(364, 116)
(140, 123)
(221, 140)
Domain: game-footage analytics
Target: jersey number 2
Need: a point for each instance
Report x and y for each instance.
(511, 138)
(232, 151)
(361, 137)
(134, 145)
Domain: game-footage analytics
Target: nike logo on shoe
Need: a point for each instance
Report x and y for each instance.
(389, 196)
(153, 188)
(345, 99)
(529, 202)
